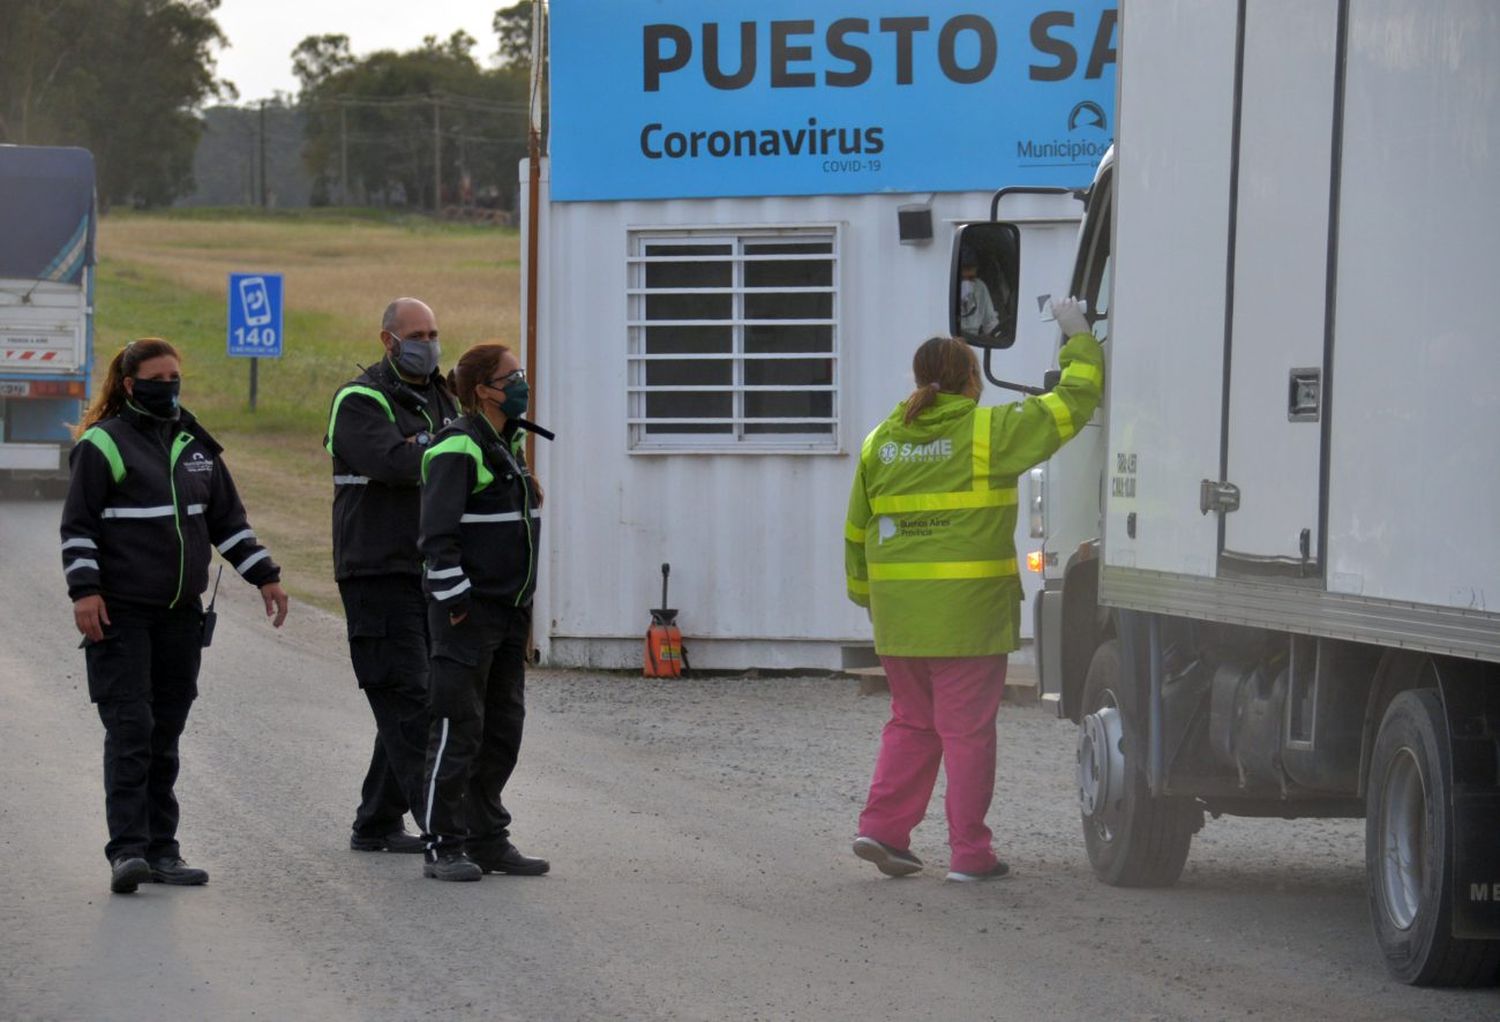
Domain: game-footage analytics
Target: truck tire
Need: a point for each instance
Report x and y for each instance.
(1133, 839)
(1408, 850)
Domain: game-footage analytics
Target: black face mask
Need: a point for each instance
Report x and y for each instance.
(157, 397)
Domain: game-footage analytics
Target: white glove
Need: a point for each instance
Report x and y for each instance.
(1069, 315)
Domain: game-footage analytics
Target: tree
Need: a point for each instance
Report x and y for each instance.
(123, 78)
(320, 57)
(513, 27)
(371, 120)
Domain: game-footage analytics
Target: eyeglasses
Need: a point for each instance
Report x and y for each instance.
(499, 382)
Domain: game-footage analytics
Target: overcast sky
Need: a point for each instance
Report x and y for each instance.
(263, 33)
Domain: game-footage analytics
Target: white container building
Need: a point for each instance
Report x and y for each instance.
(711, 358)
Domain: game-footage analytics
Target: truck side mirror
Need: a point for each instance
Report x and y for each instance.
(985, 284)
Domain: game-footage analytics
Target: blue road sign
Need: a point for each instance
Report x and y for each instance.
(255, 315)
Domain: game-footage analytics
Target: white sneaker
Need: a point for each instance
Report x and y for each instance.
(890, 861)
(999, 871)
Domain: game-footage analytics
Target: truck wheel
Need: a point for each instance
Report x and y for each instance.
(1408, 853)
(1133, 839)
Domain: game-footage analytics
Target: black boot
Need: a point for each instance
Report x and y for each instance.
(127, 873)
(396, 841)
(507, 858)
(450, 866)
(174, 871)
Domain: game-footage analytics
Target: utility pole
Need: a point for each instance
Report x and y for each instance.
(533, 214)
(437, 157)
(343, 153)
(264, 191)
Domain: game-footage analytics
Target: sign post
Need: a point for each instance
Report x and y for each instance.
(254, 320)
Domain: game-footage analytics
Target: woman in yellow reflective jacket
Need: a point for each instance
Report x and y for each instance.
(929, 549)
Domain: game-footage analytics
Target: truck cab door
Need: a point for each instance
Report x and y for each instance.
(1022, 257)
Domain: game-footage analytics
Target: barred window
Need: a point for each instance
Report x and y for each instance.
(734, 340)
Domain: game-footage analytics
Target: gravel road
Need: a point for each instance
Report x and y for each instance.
(699, 836)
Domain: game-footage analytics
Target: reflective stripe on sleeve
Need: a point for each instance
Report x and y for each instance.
(233, 541)
(195, 509)
(369, 392)
(81, 563)
(445, 573)
(106, 444)
(86, 544)
(1060, 414)
(1084, 371)
(251, 561)
(964, 500)
(859, 586)
(448, 594)
(460, 444)
(852, 534)
(163, 511)
(922, 570)
(351, 480)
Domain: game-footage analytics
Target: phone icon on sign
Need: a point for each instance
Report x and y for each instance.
(255, 301)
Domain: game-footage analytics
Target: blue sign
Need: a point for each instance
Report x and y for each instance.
(255, 315)
(660, 99)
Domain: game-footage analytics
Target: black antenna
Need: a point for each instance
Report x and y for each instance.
(215, 597)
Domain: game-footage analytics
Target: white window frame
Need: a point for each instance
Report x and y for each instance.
(737, 440)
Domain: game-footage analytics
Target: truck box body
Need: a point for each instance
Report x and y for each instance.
(47, 222)
(1327, 222)
(1284, 600)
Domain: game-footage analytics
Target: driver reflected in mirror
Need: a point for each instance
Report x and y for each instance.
(986, 290)
(976, 309)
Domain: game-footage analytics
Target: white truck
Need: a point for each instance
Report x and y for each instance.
(1273, 559)
(47, 227)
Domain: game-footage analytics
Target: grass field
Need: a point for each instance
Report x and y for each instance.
(166, 275)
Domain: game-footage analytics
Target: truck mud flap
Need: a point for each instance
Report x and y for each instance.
(1471, 702)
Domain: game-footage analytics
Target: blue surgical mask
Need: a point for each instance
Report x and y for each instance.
(417, 359)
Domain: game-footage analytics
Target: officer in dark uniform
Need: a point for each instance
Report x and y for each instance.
(481, 524)
(149, 499)
(378, 429)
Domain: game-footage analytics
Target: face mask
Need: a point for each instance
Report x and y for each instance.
(157, 397)
(417, 359)
(517, 398)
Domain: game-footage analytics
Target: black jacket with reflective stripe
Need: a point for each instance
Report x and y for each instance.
(376, 471)
(148, 501)
(480, 520)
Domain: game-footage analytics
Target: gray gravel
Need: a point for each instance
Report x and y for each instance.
(699, 832)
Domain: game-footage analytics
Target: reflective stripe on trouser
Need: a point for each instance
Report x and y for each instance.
(477, 701)
(942, 711)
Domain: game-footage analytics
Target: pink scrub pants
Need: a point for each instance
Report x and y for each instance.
(942, 711)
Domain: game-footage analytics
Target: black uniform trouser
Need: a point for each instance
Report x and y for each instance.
(478, 707)
(387, 621)
(143, 678)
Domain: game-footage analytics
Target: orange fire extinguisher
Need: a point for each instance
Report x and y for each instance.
(666, 656)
